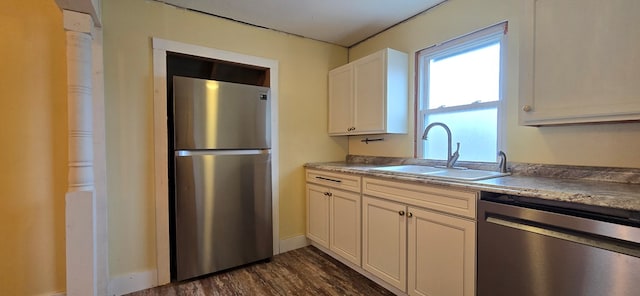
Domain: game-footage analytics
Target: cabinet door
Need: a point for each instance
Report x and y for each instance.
(441, 254)
(318, 214)
(579, 63)
(370, 93)
(384, 240)
(340, 100)
(345, 225)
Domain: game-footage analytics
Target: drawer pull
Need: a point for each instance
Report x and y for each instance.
(409, 214)
(327, 179)
(401, 213)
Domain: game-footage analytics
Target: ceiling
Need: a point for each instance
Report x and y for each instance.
(335, 21)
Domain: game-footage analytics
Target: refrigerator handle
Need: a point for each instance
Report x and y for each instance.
(221, 152)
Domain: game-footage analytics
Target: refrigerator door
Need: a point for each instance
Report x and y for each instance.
(223, 210)
(220, 115)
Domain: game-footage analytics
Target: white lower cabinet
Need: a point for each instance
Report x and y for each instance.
(419, 239)
(441, 254)
(384, 237)
(318, 214)
(344, 225)
(333, 215)
(418, 250)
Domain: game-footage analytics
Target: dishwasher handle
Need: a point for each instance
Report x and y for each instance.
(589, 239)
(601, 234)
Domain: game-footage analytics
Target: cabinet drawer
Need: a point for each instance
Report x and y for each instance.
(453, 201)
(335, 180)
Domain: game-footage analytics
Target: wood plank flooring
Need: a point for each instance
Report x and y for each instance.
(305, 271)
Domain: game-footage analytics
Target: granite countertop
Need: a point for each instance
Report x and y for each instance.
(586, 188)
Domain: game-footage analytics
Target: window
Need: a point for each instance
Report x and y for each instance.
(460, 85)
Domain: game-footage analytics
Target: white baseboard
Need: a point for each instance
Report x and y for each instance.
(132, 282)
(55, 294)
(293, 243)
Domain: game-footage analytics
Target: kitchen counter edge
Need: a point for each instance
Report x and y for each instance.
(584, 192)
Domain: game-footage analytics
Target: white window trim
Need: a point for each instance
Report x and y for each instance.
(460, 43)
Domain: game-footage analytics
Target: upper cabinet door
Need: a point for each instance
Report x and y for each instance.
(340, 100)
(579, 62)
(370, 95)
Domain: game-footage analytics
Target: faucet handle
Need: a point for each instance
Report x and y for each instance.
(502, 164)
(454, 157)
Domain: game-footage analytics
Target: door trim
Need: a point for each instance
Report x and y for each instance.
(161, 170)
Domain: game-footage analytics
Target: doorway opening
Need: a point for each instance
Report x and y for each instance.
(184, 65)
(202, 62)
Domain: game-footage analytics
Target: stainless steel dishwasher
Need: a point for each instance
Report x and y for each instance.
(530, 246)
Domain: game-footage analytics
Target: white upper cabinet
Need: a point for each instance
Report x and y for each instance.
(340, 100)
(579, 62)
(370, 95)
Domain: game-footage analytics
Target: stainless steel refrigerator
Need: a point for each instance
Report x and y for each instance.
(222, 171)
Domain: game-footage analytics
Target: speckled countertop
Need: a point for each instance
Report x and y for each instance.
(612, 188)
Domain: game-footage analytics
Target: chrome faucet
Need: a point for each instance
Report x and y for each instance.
(451, 158)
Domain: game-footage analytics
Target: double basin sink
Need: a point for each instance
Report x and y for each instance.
(461, 174)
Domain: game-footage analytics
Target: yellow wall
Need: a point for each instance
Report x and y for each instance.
(34, 138)
(614, 145)
(33, 158)
(303, 66)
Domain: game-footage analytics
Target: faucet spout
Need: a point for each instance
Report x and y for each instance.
(451, 158)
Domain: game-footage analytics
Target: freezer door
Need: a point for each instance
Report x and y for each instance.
(223, 211)
(220, 115)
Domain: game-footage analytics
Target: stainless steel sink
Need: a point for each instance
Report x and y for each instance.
(442, 173)
(410, 169)
(467, 175)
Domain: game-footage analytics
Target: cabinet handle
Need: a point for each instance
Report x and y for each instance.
(409, 214)
(327, 179)
(351, 129)
(328, 194)
(401, 213)
(526, 108)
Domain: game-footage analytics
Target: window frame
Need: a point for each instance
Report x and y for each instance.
(497, 32)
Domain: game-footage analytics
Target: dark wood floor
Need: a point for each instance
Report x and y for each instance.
(305, 271)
